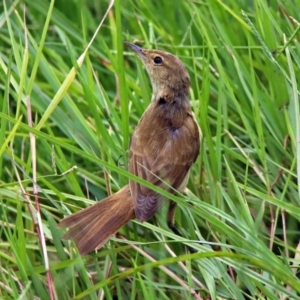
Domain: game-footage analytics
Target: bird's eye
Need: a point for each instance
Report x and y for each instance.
(157, 60)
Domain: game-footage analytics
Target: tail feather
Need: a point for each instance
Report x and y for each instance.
(92, 227)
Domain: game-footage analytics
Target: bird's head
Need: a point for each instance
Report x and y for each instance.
(167, 73)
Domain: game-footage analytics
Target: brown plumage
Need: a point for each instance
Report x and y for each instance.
(163, 147)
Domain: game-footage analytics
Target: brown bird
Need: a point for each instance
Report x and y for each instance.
(163, 148)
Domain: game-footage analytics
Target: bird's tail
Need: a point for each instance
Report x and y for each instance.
(91, 228)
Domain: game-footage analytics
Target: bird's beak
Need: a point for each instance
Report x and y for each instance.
(138, 50)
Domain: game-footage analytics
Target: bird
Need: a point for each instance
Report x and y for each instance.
(163, 147)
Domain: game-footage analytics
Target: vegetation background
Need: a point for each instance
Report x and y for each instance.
(64, 133)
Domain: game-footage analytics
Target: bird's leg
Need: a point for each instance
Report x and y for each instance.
(171, 222)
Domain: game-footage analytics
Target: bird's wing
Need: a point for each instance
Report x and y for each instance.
(163, 158)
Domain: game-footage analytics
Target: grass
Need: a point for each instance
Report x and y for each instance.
(65, 124)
